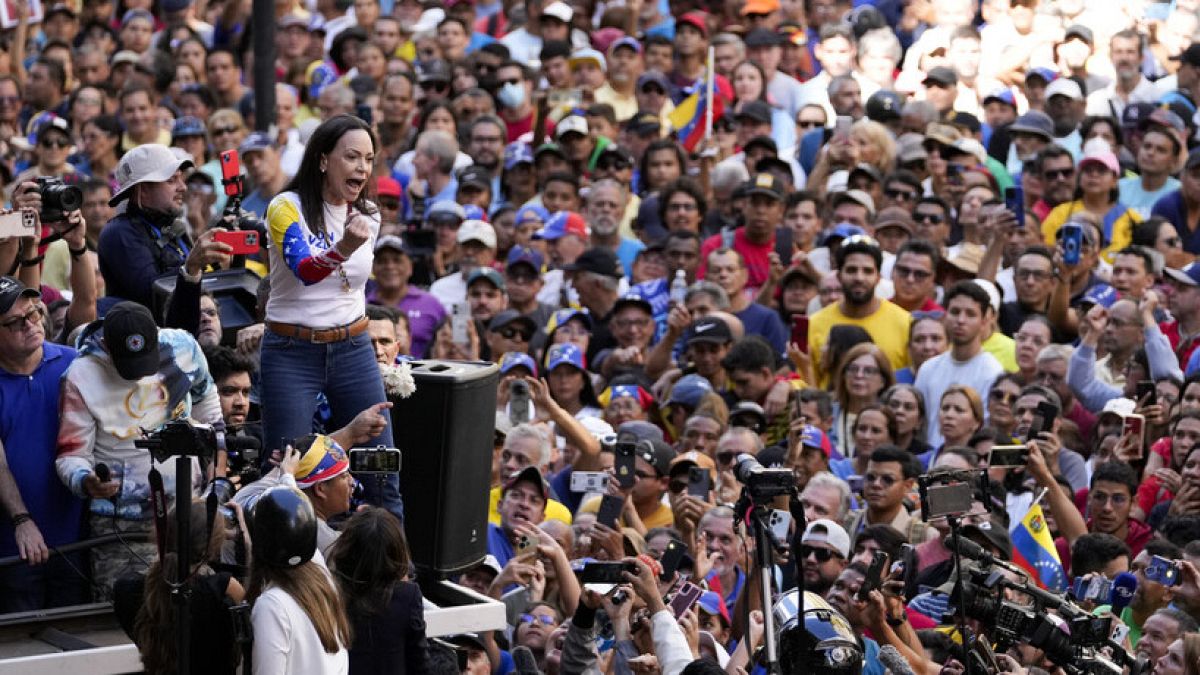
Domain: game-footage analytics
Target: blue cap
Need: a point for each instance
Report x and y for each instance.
(187, 126)
(491, 275)
(625, 41)
(689, 390)
(842, 231)
(445, 208)
(562, 316)
(258, 140)
(1002, 94)
(524, 254)
(473, 212)
(1042, 72)
(564, 352)
(1100, 294)
(561, 224)
(517, 360)
(531, 212)
(516, 153)
(137, 14)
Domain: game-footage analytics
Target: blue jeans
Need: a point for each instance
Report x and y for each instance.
(295, 371)
(58, 582)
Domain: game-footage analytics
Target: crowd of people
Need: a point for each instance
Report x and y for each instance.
(878, 244)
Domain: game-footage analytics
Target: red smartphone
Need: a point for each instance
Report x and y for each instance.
(231, 168)
(244, 242)
(1133, 426)
(800, 331)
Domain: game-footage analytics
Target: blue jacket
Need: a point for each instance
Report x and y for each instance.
(1172, 207)
(135, 249)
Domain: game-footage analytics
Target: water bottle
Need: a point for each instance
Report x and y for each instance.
(679, 288)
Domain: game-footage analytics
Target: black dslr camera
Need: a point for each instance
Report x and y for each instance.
(58, 199)
(179, 437)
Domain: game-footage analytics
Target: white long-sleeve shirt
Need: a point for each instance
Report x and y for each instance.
(285, 641)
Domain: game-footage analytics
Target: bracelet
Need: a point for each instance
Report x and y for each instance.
(33, 261)
(899, 621)
(22, 517)
(77, 252)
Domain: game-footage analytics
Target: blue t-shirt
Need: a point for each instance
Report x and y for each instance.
(498, 545)
(759, 320)
(1134, 196)
(29, 430)
(627, 252)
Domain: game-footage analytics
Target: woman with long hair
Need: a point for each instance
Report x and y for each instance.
(864, 373)
(1096, 193)
(960, 415)
(371, 564)
(907, 403)
(662, 163)
(750, 84)
(1002, 398)
(1182, 657)
(212, 645)
(101, 148)
(323, 229)
(874, 427)
(300, 624)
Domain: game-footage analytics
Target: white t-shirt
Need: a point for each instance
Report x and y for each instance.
(942, 372)
(285, 641)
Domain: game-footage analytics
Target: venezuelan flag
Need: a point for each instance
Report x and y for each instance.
(1033, 550)
(688, 117)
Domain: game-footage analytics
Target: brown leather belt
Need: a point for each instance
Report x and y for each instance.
(320, 336)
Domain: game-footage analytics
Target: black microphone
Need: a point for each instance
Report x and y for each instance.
(103, 472)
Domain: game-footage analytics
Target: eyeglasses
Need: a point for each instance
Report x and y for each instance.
(906, 195)
(910, 272)
(539, 618)
(822, 555)
(509, 333)
(1058, 174)
(221, 131)
(1036, 275)
(435, 86)
(810, 124)
(1115, 500)
(935, 218)
(32, 317)
(683, 206)
(862, 371)
(10, 100)
(49, 143)
(884, 479)
(1002, 397)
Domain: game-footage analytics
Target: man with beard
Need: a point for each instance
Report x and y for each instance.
(1034, 278)
(603, 211)
(1125, 51)
(824, 553)
(485, 145)
(148, 237)
(858, 261)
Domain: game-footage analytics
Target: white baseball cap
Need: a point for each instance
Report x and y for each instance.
(150, 163)
(477, 230)
(559, 10)
(1064, 86)
(826, 531)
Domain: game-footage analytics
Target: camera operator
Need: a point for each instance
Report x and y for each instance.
(51, 146)
(130, 375)
(148, 239)
(883, 614)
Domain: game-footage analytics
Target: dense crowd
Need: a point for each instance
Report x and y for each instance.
(894, 250)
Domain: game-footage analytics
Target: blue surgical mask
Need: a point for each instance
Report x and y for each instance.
(511, 95)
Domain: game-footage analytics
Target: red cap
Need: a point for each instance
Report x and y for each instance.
(387, 186)
(697, 19)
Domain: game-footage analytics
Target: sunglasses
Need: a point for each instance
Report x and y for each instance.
(910, 272)
(51, 143)
(1002, 397)
(221, 131)
(905, 195)
(884, 479)
(509, 333)
(435, 86)
(821, 554)
(935, 218)
(32, 317)
(1058, 174)
(809, 124)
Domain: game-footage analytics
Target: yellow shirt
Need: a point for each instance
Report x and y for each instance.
(127, 142)
(554, 510)
(625, 107)
(1004, 349)
(1119, 237)
(662, 516)
(888, 328)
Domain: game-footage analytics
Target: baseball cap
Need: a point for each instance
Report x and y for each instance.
(1003, 95)
(760, 7)
(530, 474)
(487, 274)
(386, 186)
(657, 454)
(12, 290)
(444, 210)
(813, 437)
(942, 76)
(391, 241)
(475, 175)
(571, 124)
(842, 231)
(1080, 31)
(856, 196)
(762, 37)
(1035, 122)
(689, 389)
(137, 14)
(598, 260)
(1136, 113)
(564, 353)
(709, 329)
(1100, 294)
(638, 430)
(562, 316)
(436, 70)
(124, 56)
(1189, 56)
(884, 105)
(894, 216)
(558, 10)
(1064, 86)
(292, 19)
(910, 148)
(941, 133)
(516, 153)
(524, 255)
(643, 123)
(587, 55)
(748, 411)
(695, 19)
(826, 531)
(615, 156)
(655, 77)
(510, 316)
(1046, 74)
(626, 41)
(517, 360)
(765, 184)
(187, 126)
(131, 340)
(1188, 276)
(633, 297)
(549, 148)
(150, 163)
(258, 140)
(759, 111)
(532, 212)
(561, 224)
(60, 8)
(1104, 158)
(992, 532)
(477, 230)
(685, 461)
(1118, 406)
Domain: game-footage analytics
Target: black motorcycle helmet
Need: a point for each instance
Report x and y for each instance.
(815, 639)
(284, 529)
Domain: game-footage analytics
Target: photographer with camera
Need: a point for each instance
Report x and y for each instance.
(52, 143)
(148, 239)
(129, 376)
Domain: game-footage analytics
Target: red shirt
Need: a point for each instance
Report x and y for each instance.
(520, 127)
(1183, 348)
(758, 264)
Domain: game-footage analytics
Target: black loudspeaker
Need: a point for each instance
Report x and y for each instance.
(445, 432)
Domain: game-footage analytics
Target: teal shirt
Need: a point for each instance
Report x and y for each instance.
(1135, 197)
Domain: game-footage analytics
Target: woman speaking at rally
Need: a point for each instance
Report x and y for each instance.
(323, 230)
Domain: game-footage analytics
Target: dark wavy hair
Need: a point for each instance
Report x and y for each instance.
(368, 560)
(308, 180)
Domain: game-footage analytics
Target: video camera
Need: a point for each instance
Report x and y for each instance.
(243, 458)
(179, 437)
(762, 483)
(952, 492)
(1072, 638)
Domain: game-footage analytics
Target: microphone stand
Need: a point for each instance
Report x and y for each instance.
(960, 607)
(764, 555)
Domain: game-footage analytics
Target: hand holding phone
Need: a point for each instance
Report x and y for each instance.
(243, 242)
(800, 332)
(231, 173)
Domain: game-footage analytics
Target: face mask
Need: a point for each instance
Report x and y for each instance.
(511, 95)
